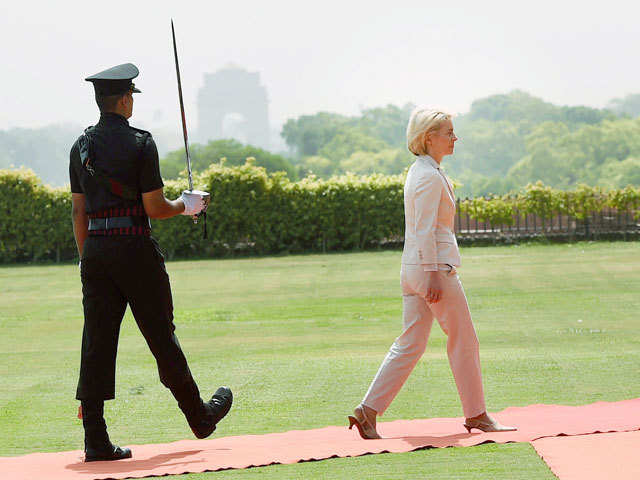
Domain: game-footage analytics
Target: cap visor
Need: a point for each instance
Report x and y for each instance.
(136, 90)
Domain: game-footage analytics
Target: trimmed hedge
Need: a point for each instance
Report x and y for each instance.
(35, 220)
(255, 212)
(545, 202)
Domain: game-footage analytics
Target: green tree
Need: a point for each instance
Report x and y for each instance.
(387, 123)
(317, 165)
(544, 160)
(350, 140)
(472, 184)
(505, 142)
(234, 153)
(615, 174)
(523, 109)
(486, 147)
(45, 150)
(306, 135)
(389, 161)
(629, 105)
(563, 158)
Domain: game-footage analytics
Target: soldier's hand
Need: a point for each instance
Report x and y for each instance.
(206, 198)
(194, 202)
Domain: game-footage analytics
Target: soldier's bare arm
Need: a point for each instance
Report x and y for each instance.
(158, 206)
(80, 220)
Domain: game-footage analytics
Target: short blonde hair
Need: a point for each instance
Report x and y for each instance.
(421, 122)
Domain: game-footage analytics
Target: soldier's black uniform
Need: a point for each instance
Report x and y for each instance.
(122, 265)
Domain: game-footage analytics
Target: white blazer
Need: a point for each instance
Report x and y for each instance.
(429, 213)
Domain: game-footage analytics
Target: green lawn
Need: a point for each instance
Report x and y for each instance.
(299, 338)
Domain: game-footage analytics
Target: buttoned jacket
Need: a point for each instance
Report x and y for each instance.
(429, 212)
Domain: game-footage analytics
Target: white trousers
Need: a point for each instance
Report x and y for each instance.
(452, 312)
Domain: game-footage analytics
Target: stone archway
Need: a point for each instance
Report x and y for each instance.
(233, 93)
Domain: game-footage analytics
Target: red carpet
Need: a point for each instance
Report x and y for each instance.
(592, 457)
(191, 456)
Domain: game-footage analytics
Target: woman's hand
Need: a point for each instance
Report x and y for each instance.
(434, 288)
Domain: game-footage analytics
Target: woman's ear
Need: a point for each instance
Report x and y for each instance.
(426, 141)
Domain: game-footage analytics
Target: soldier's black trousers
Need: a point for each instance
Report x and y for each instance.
(117, 271)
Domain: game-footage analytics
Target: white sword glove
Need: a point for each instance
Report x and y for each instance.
(195, 201)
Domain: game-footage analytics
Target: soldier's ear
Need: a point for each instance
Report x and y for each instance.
(124, 99)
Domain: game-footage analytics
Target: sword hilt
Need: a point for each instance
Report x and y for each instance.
(207, 197)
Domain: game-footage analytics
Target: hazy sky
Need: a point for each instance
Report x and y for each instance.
(324, 55)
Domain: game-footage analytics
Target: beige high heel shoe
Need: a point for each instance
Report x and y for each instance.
(487, 426)
(366, 429)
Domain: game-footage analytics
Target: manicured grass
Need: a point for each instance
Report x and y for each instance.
(487, 462)
(299, 338)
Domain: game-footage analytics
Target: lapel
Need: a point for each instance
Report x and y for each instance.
(427, 160)
(449, 186)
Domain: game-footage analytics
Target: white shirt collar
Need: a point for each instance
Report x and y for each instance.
(427, 159)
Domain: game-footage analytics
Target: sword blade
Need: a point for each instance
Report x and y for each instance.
(184, 121)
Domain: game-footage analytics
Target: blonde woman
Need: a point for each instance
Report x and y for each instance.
(430, 285)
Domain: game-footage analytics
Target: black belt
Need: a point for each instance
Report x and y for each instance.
(118, 222)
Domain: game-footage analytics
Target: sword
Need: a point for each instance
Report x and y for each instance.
(184, 121)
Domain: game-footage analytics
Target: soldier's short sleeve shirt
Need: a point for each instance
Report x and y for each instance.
(74, 157)
(150, 178)
(120, 152)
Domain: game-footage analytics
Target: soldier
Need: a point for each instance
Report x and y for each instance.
(116, 187)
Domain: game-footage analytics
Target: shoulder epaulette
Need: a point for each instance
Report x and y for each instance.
(139, 132)
(82, 138)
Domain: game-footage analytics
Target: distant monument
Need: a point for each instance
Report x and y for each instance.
(233, 104)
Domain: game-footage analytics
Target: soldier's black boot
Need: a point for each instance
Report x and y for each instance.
(97, 445)
(202, 416)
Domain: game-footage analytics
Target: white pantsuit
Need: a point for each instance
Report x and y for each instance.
(430, 244)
